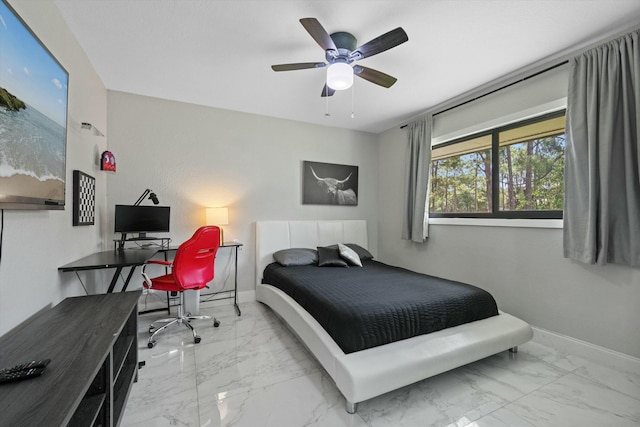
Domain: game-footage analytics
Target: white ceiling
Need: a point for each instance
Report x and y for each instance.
(218, 52)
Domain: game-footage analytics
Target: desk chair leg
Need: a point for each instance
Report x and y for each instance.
(153, 331)
(216, 322)
(196, 337)
(181, 318)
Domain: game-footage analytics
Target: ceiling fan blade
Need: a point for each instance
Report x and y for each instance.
(374, 76)
(298, 66)
(327, 91)
(319, 34)
(385, 42)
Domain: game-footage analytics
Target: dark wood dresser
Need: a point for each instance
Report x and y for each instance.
(92, 344)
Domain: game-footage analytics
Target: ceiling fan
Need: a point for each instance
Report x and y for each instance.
(341, 51)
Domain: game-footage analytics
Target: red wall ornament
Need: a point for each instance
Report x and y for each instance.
(108, 162)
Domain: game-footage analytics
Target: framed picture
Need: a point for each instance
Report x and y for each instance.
(84, 198)
(329, 184)
(33, 118)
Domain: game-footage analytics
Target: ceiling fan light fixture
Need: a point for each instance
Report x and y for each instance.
(339, 76)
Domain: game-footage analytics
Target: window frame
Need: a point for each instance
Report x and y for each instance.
(495, 172)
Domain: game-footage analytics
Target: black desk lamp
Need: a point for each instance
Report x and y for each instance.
(152, 197)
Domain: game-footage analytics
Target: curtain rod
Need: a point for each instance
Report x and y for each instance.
(499, 88)
(563, 56)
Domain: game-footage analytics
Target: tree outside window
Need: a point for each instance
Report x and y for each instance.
(522, 164)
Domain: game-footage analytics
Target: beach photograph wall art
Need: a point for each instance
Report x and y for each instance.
(33, 115)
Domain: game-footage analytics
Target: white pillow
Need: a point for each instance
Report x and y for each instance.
(349, 255)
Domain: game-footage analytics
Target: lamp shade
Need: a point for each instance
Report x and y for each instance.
(217, 216)
(339, 76)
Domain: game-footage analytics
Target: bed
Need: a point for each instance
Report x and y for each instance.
(361, 374)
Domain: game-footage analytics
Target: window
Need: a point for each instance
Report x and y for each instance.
(516, 171)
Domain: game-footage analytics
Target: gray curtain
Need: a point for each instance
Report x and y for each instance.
(415, 222)
(602, 169)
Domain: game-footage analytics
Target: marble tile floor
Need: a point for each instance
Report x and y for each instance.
(251, 371)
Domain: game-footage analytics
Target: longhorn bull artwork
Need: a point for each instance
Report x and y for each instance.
(330, 184)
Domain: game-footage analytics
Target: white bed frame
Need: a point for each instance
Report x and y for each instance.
(368, 373)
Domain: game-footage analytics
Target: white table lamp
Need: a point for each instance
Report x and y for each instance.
(218, 216)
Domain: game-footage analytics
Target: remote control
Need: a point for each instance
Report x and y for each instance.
(20, 375)
(26, 366)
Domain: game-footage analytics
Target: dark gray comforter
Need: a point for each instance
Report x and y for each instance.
(378, 304)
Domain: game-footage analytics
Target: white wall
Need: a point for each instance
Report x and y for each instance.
(522, 267)
(194, 156)
(36, 243)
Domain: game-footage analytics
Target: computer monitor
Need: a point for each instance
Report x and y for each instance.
(141, 219)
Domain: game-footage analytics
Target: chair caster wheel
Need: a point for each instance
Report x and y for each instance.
(216, 323)
(150, 344)
(196, 340)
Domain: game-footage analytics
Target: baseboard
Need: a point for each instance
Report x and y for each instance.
(243, 296)
(584, 349)
(247, 296)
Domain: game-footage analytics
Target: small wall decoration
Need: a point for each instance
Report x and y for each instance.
(84, 198)
(329, 184)
(108, 162)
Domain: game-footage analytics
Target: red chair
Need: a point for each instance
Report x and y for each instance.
(191, 269)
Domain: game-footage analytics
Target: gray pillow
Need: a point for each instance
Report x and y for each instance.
(362, 252)
(296, 256)
(349, 255)
(330, 257)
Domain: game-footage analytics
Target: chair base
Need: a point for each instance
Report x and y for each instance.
(183, 319)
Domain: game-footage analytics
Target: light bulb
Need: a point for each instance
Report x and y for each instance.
(339, 76)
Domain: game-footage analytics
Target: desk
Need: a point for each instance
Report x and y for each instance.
(234, 246)
(117, 259)
(121, 258)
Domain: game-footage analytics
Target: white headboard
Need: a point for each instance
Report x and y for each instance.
(271, 236)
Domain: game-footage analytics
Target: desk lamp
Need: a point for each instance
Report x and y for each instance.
(218, 216)
(152, 197)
